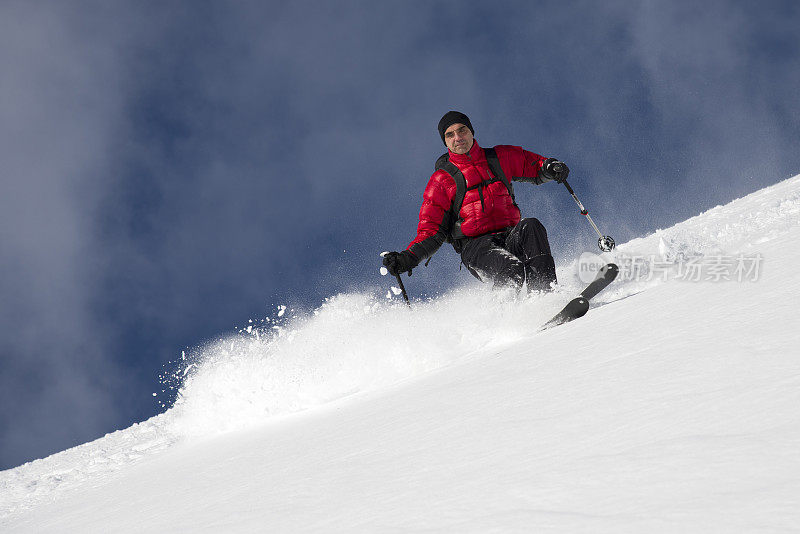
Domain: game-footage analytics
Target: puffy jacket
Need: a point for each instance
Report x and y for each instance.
(484, 210)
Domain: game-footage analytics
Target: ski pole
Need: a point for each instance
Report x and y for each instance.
(605, 242)
(403, 289)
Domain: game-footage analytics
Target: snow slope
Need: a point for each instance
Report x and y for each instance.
(672, 406)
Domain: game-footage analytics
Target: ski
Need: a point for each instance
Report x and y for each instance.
(578, 306)
(575, 308)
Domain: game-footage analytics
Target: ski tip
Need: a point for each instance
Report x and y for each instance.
(610, 270)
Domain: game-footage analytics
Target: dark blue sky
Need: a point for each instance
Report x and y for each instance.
(171, 170)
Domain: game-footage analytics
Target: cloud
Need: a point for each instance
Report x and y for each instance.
(57, 379)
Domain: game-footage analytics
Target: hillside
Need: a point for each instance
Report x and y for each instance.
(672, 406)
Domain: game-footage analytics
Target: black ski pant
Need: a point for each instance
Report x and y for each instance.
(512, 256)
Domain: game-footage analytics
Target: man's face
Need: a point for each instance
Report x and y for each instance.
(458, 138)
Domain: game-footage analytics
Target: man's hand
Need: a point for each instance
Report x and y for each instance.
(552, 169)
(400, 262)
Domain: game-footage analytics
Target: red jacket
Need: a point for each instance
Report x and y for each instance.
(495, 212)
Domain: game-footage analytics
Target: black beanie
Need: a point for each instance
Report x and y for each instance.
(453, 117)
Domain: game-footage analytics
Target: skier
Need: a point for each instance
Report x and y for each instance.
(469, 202)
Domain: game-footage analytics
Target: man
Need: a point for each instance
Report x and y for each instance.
(469, 202)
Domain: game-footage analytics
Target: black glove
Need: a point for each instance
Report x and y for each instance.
(400, 262)
(552, 169)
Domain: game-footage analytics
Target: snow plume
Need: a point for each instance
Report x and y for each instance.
(353, 343)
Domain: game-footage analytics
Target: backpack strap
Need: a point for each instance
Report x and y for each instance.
(497, 170)
(444, 163)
